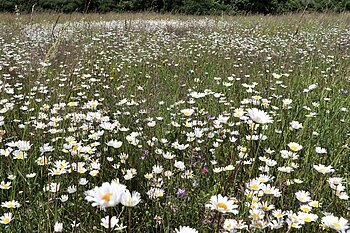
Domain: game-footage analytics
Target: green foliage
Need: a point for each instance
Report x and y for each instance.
(62, 5)
(197, 7)
(69, 89)
(22, 5)
(107, 5)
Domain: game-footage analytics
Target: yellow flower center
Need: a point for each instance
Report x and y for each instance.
(6, 220)
(129, 200)
(107, 197)
(188, 124)
(336, 225)
(314, 204)
(10, 205)
(221, 205)
(307, 219)
(243, 149)
(295, 225)
(187, 113)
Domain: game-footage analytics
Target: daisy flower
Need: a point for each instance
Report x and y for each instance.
(23, 145)
(222, 204)
(323, 169)
(58, 227)
(320, 150)
(10, 204)
(307, 217)
(108, 222)
(185, 229)
(259, 116)
(338, 224)
(231, 225)
(296, 125)
(108, 195)
(115, 144)
(4, 185)
(303, 196)
(6, 218)
(295, 146)
(187, 112)
(130, 200)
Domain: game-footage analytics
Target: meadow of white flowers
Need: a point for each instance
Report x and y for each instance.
(175, 125)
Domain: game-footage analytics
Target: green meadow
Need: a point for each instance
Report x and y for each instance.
(163, 123)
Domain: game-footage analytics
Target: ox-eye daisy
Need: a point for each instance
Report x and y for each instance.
(10, 204)
(259, 116)
(108, 195)
(130, 199)
(338, 224)
(324, 169)
(293, 146)
(222, 204)
(187, 112)
(186, 230)
(303, 196)
(6, 218)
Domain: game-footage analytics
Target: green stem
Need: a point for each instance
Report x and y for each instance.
(129, 221)
(110, 221)
(219, 221)
(256, 151)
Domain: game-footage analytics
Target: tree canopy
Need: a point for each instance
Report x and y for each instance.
(197, 7)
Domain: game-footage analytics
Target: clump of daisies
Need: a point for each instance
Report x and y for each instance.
(112, 194)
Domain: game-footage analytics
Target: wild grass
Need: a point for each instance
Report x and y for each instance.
(142, 70)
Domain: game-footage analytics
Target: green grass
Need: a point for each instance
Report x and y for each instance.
(145, 67)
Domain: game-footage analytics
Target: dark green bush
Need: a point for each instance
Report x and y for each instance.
(197, 7)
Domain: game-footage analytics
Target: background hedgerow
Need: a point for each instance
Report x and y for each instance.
(193, 7)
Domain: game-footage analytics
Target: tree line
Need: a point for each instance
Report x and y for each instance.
(197, 7)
